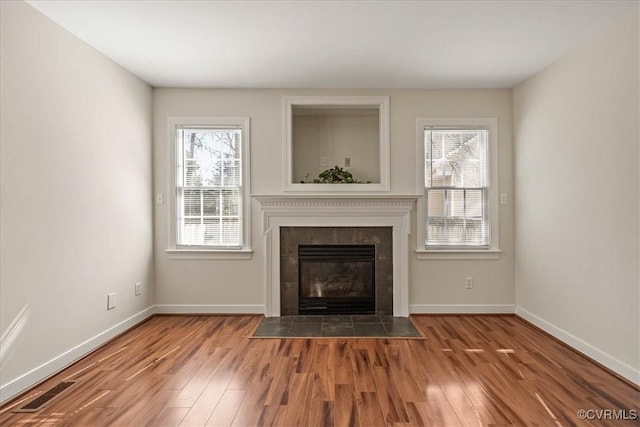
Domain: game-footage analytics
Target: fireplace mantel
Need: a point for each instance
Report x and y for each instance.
(336, 211)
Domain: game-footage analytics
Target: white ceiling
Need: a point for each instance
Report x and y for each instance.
(334, 44)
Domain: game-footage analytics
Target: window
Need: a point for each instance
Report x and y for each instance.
(459, 209)
(456, 187)
(211, 184)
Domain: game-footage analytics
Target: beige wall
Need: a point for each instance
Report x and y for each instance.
(336, 137)
(76, 196)
(577, 229)
(218, 282)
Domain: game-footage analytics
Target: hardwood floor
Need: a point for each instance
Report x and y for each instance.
(205, 371)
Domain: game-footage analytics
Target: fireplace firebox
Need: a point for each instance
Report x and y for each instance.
(336, 279)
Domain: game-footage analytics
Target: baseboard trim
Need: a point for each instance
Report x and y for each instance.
(462, 308)
(599, 356)
(210, 309)
(28, 380)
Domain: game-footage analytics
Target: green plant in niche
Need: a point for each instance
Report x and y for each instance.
(334, 175)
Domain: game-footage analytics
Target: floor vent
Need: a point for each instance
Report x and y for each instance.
(45, 397)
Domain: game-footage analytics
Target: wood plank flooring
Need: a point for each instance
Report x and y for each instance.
(205, 371)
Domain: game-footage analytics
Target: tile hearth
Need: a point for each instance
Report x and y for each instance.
(326, 326)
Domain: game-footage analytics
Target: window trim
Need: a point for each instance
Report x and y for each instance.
(493, 250)
(202, 252)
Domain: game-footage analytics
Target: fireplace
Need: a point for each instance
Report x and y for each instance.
(332, 254)
(336, 279)
(383, 220)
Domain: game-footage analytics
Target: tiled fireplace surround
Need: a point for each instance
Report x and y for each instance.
(291, 220)
(291, 237)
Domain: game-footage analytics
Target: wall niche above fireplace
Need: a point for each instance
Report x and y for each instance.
(351, 132)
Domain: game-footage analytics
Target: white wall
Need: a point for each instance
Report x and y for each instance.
(76, 212)
(577, 209)
(217, 284)
(336, 137)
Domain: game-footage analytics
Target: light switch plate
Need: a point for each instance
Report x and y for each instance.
(111, 301)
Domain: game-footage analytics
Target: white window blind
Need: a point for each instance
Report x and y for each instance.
(209, 187)
(457, 187)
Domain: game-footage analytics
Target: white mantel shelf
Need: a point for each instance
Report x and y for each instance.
(337, 210)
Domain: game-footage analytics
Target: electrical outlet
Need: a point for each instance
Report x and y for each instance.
(468, 282)
(503, 198)
(138, 288)
(111, 301)
(159, 198)
(347, 162)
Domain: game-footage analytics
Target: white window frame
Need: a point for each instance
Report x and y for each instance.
(493, 250)
(243, 252)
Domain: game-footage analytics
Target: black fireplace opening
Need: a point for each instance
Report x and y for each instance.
(336, 279)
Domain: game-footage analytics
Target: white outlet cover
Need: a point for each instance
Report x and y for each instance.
(111, 301)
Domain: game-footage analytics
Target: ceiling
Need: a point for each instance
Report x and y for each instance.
(334, 44)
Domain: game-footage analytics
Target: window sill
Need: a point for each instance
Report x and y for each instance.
(460, 254)
(237, 254)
